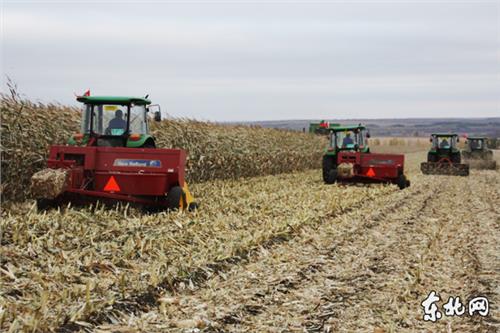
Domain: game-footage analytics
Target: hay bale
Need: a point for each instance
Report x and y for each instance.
(49, 183)
(345, 170)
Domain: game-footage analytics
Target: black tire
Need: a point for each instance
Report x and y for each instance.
(193, 206)
(149, 144)
(402, 182)
(329, 170)
(44, 204)
(431, 157)
(174, 197)
(455, 158)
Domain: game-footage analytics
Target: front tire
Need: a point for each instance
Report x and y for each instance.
(431, 157)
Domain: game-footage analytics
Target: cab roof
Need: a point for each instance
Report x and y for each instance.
(444, 134)
(120, 100)
(341, 128)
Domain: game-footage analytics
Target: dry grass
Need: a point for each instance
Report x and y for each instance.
(214, 151)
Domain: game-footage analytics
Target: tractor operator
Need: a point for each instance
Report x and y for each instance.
(118, 122)
(444, 144)
(347, 140)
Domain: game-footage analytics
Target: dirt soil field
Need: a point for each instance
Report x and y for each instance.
(366, 266)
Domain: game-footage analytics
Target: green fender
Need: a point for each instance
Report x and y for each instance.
(139, 143)
(82, 142)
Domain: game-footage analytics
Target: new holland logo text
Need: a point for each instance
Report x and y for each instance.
(137, 163)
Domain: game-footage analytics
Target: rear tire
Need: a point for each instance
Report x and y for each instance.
(174, 197)
(455, 158)
(149, 144)
(329, 170)
(44, 204)
(402, 182)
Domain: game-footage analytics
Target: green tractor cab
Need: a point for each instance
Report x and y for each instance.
(347, 138)
(322, 128)
(444, 156)
(348, 159)
(110, 121)
(477, 153)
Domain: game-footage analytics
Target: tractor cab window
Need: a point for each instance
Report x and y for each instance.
(445, 142)
(348, 139)
(111, 119)
(85, 127)
(106, 119)
(138, 121)
(476, 144)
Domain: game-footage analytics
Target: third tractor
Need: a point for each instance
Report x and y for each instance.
(477, 153)
(443, 157)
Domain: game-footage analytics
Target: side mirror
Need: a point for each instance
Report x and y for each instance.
(155, 108)
(458, 139)
(430, 140)
(157, 116)
(368, 135)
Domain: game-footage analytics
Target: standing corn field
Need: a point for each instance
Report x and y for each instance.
(214, 151)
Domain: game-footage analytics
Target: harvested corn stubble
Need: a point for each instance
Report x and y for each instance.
(79, 262)
(366, 270)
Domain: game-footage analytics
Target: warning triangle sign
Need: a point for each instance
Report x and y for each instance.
(370, 173)
(112, 185)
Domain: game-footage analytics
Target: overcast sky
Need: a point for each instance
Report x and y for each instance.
(229, 61)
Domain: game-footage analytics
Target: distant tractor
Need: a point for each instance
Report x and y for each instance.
(443, 157)
(114, 158)
(348, 159)
(477, 153)
(321, 128)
